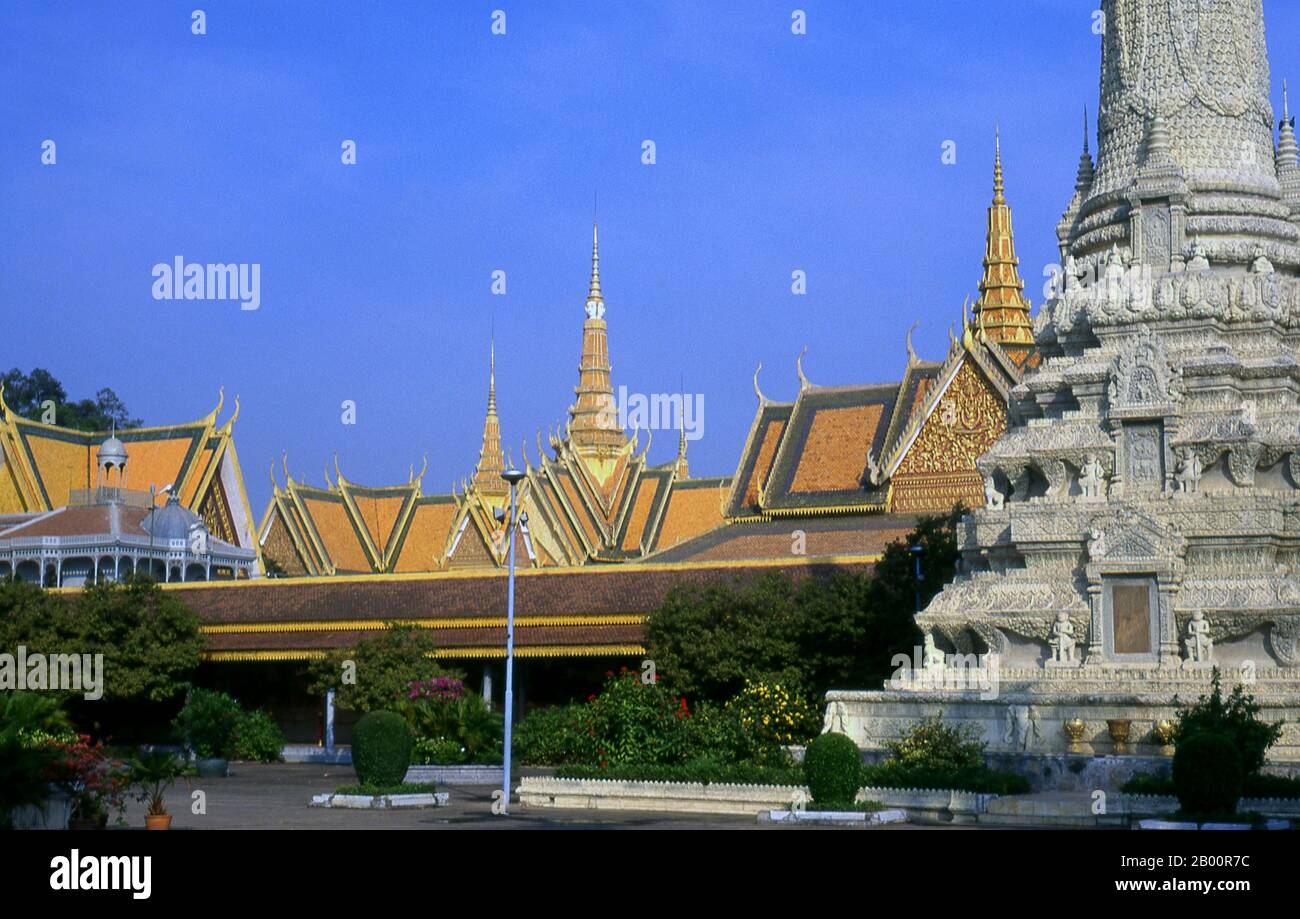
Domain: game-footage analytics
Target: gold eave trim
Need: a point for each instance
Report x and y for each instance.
(446, 654)
(553, 572)
(836, 511)
(460, 622)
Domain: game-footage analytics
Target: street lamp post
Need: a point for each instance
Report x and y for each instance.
(917, 551)
(514, 477)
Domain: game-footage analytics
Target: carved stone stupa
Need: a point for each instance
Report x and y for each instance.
(1143, 507)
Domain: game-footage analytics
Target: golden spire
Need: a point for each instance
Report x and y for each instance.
(487, 474)
(1002, 311)
(594, 415)
(594, 297)
(998, 186)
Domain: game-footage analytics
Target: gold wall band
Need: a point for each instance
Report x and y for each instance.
(445, 654)
(463, 622)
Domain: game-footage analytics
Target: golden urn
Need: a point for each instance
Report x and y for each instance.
(1163, 732)
(1074, 730)
(1119, 733)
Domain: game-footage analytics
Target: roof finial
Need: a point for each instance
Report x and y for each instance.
(998, 187)
(1085, 128)
(595, 300)
(1286, 105)
(798, 366)
(762, 399)
(911, 352)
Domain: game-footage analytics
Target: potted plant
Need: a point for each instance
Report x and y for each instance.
(95, 783)
(207, 727)
(30, 726)
(153, 773)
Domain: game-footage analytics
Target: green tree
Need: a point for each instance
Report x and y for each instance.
(149, 638)
(26, 395)
(1236, 718)
(377, 672)
(826, 631)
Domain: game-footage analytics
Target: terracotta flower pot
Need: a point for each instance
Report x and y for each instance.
(157, 821)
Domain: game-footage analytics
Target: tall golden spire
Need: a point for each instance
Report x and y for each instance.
(1002, 310)
(594, 415)
(491, 463)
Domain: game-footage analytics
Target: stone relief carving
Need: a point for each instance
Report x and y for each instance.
(1020, 727)
(1129, 534)
(1142, 376)
(1243, 460)
(1200, 647)
(1063, 639)
(1189, 471)
(932, 658)
(993, 498)
(1092, 478)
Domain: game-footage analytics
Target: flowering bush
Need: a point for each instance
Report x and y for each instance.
(97, 783)
(628, 721)
(451, 724)
(437, 689)
(773, 715)
(931, 744)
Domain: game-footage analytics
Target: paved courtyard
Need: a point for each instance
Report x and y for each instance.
(275, 797)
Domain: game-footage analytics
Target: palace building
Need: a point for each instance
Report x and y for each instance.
(592, 498)
(79, 507)
(854, 464)
(824, 482)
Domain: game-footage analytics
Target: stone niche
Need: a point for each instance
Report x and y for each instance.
(1131, 618)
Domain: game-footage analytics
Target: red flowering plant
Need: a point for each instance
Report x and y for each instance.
(97, 783)
(635, 721)
(451, 724)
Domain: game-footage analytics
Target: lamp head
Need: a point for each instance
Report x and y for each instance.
(513, 476)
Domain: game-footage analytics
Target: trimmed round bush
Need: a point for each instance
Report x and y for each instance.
(1208, 774)
(381, 748)
(832, 767)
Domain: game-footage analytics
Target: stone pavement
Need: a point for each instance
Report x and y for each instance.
(275, 797)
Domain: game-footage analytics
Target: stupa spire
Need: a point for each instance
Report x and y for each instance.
(1288, 157)
(1002, 310)
(594, 416)
(595, 300)
(999, 187)
(491, 462)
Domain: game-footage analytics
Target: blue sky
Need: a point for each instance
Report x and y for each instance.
(477, 152)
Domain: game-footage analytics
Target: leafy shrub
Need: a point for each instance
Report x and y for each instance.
(1271, 786)
(555, 736)
(628, 722)
(448, 720)
(932, 746)
(381, 748)
(258, 738)
(31, 724)
(208, 724)
(1147, 783)
(772, 715)
(832, 766)
(1237, 719)
(436, 750)
(1208, 774)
